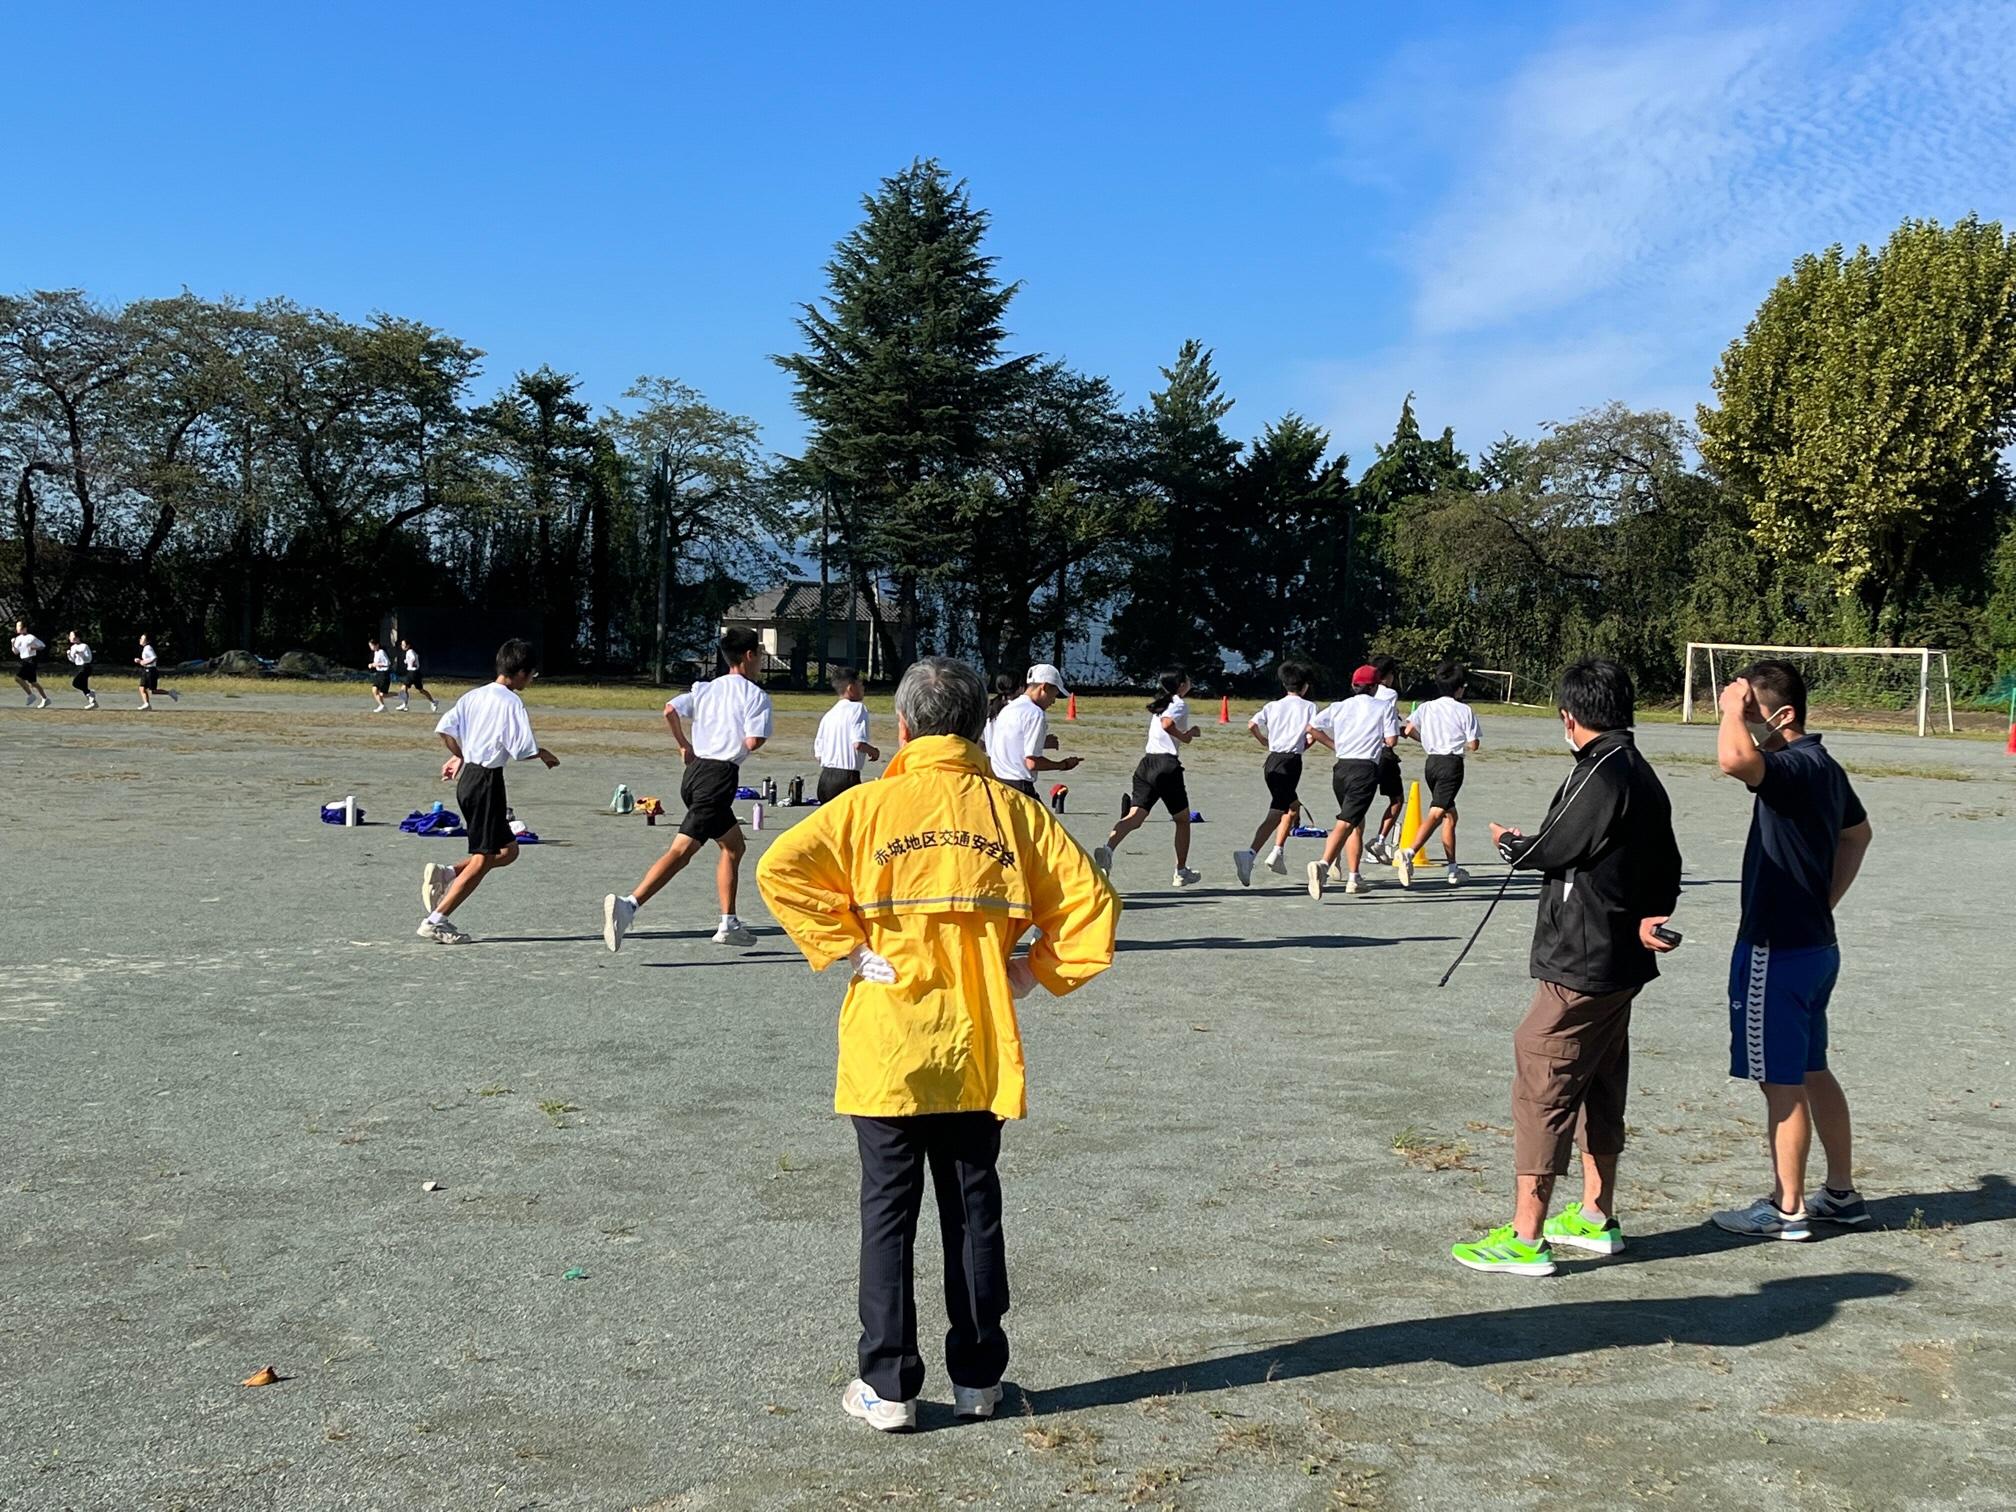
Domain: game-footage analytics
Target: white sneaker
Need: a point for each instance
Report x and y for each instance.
(976, 1401)
(435, 880)
(399, 709)
(1102, 857)
(1379, 848)
(1242, 863)
(735, 932)
(616, 916)
(90, 703)
(1763, 1220)
(45, 702)
(444, 933)
(379, 710)
(1457, 876)
(1337, 871)
(1354, 885)
(1277, 863)
(1403, 863)
(145, 708)
(1185, 878)
(433, 707)
(1316, 880)
(884, 1417)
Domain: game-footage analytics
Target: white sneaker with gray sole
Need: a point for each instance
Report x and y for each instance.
(444, 933)
(733, 932)
(976, 1401)
(616, 916)
(435, 880)
(884, 1417)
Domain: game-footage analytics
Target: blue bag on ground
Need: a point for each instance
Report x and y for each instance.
(434, 822)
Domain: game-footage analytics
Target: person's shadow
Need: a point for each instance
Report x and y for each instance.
(1509, 1336)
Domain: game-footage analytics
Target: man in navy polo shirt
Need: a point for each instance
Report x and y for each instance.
(1808, 833)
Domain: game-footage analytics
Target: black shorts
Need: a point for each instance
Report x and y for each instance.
(1390, 785)
(1159, 779)
(479, 793)
(707, 788)
(382, 682)
(150, 678)
(28, 670)
(833, 781)
(1445, 781)
(411, 680)
(1354, 783)
(1283, 772)
(1026, 785)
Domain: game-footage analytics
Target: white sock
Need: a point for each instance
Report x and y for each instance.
(631, 899)
(727, 919)
(1357, 877)
(1273, 853)
(437, 917)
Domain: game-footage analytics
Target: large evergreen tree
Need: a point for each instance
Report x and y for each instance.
(1410, 466)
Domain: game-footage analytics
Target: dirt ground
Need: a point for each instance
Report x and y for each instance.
(229, 1069)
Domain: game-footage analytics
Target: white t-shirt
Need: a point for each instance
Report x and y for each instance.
(147, 656)
(1446, 726)
(723, 713)
(1018, 732)
(79, 654)
(1385, 694)
(380, 662)
(491, 726)
(844, 728)
(1284, 723)
(27, 647)
(412, 660)
(1162, 742)
(1359, 725)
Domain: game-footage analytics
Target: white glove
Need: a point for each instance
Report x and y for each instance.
(1021, 978)
(870, 967)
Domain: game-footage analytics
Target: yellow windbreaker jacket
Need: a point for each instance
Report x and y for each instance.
(938, 868)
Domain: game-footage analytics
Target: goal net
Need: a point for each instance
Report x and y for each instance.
(1492, 680)
(1887, 683)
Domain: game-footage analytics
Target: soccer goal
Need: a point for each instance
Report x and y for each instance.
(1501, 682)
(1876, 677)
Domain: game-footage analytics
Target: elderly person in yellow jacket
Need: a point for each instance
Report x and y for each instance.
(922, 883)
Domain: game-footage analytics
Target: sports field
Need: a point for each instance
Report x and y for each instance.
(230, 1068)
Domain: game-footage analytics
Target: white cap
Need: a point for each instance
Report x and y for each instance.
(1043, 672)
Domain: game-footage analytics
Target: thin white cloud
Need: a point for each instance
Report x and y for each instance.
(1614, 206)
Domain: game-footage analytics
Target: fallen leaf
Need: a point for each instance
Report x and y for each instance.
(430, 1186)
(265, 1375)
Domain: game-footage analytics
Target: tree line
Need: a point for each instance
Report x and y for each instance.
(271, 475)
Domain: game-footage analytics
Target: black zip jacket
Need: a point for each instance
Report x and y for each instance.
(1610, 859)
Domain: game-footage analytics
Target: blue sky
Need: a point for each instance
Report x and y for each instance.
(1516, 216)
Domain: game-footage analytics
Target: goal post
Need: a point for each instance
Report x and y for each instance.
(1499, 679)
(1903, 655)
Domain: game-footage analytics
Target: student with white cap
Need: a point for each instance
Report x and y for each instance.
(1020, 732)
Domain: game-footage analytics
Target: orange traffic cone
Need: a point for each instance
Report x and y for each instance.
(1225, 708)
(2012, 738)
(1071, 708)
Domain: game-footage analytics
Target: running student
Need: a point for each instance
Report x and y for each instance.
(149, 663)
(730, 718)
(28, 651)
(1612, 870)
(79, 656)
(1447, 729)
(1392, 786)
(1360, 729)
(380, 668)
(1020, 732)
(1808, 834)
(841, 744)
(410, 660)
(486, 728)
(1283, 728)
(1158, 777)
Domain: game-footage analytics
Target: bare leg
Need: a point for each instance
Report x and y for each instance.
(1270, 825)
(1135, 818)
(683, 849)
(727, 868)
(1336, 841)
(1599, 1186)
(1449, 837)
(1529, 1212)
(469, 876)
(1288, 822)
(1828, 1105)
(1354, 849)
(1182, 840)
(1434, 817)
(1791, 1136)
(1390, 817)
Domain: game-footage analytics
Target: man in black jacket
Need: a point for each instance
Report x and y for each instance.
(1612, 870)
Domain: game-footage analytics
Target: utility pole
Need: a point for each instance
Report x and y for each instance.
(661, 500)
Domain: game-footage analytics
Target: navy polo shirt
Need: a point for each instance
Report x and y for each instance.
(1804, 801)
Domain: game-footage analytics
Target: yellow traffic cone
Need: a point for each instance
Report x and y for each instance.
(1410, 825)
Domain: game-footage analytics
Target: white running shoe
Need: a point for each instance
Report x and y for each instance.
(1403, 863)
(433, 707)
(379, 710)
(435, 880)
(45, 702)
(1379, 848)
(976, 1401)
(1185, 878)
(1316, 880)
(884, 1417)
(444, 933)
(734, 932)
(399, 709)
(1102, 857)
(1242, 863)
(1356, 885)
(1337, 870)
(1457, 876)
(616, 916)
(1763, 1220)
(90, 703)
(1277, 863)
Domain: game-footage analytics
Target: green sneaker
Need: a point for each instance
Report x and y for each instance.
(1503, 1250)
(1569, 1227)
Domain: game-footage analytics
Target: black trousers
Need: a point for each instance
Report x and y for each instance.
(833, 781)
(961, 1150)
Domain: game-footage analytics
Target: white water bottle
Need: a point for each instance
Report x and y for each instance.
(350, 812)
(756, 816)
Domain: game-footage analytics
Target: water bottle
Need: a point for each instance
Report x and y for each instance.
(756, 815)
(350, 812)
(797, 791)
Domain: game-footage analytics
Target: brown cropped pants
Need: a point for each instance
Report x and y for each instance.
(1571, 1059)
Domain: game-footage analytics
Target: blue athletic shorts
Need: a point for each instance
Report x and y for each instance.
(1778, 1011)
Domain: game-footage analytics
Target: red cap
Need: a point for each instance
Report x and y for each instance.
(1365, 676)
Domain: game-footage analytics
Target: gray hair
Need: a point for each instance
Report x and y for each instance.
(940, 696)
